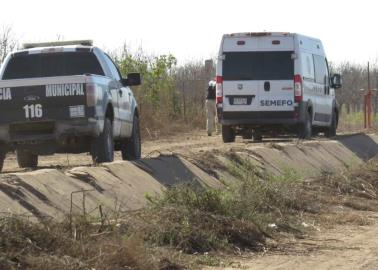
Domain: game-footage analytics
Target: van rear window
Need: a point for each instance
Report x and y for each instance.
(52, 64)
(258, 66)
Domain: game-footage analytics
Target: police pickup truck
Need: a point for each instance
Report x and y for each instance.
(66, 97)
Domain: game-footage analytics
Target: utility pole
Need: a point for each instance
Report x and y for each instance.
(369, 96)
(367, 102)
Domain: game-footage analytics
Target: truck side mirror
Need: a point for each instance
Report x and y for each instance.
(131, 80)
(336, 81)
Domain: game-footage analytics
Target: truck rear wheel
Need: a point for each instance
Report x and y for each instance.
(103, 146)
(228, 134)
(26, 159)
(131, 149)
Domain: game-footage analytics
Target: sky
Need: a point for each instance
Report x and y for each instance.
(192, 30)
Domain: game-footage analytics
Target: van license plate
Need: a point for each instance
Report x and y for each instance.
(240, 101)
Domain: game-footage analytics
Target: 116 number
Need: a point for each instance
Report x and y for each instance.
(33, 111)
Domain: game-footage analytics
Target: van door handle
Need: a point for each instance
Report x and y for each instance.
(267, 86)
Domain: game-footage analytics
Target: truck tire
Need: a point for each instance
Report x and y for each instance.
(305, 130)
(103, 145)
(131, 148)
(26, 159)
(2, 158)
(257, 137)
(331, 131)
(247, 134)
(228, 134)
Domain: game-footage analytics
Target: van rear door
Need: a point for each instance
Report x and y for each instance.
(258, 77)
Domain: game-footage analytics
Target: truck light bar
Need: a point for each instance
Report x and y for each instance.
(58, 43)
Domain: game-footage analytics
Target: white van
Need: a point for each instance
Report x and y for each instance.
(268, 83)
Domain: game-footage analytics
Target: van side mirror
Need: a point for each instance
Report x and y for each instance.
(132, 79)
(336, 81)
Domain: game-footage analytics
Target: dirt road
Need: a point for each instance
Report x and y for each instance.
(343, 247)
(178, 144)
(174, 144)
(182, 144)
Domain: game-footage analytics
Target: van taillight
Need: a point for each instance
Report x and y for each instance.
(298, 92)
(219, 89)
(91, 94)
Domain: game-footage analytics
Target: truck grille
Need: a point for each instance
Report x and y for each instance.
(28, 129)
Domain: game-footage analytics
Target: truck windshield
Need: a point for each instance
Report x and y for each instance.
(23, 66)
(258, 66)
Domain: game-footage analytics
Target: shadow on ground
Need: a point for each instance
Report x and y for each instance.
(364, 146)
(168, 170)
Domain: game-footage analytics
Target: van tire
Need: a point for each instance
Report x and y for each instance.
(2, 158)
(131, 148)
(103, 145)
(331, 131)
(228, 134)
(305, 130)
(257, 137)
(26, 159)
(247, 134)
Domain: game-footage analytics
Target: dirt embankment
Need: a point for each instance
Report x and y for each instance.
(58, 189)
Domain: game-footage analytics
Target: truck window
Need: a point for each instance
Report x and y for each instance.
(52, 64)
(308, 66)
(113, 68)
(258, 66)
(321, 71)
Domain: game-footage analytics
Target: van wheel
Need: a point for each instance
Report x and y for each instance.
(247, 134)
(228, 134)
(2, 158)
(103, 145)
(331, 131)
(26, 159)
(257, 137)
(131, 148)
(305, 130)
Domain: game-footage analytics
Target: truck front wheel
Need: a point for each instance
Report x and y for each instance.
(331, 131)
(131, 148)
(2, 158)
(228, 134)
(103, 146)
(26, 159)
(257, 136)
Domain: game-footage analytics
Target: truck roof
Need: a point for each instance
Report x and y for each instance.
(84, 42)
(68, 48)
(56, 46)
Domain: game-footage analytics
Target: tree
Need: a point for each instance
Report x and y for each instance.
(7, 42)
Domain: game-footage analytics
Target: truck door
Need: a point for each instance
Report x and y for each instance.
(323, 111)
(118, 97)
(124, 102)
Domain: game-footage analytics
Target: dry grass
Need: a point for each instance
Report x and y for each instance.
(155, 126)
(51, 245)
